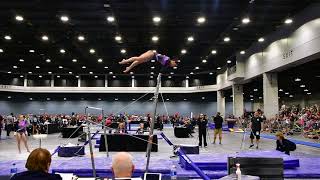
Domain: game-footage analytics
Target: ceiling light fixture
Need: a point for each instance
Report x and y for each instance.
(37, 67)
(183, 51)
(245, 20)
(48, 60)
(15, 67)
(96, 77)
(229, 62)
(155, 38)
(261, 39)
(64, 18)
(190, 39)
(49, 72)
(123, 51)
(110, 19)
(201, 20)
(81, 38)
(100, 60)
(302, 85)
(74, 60)
(62, 51)
(214, 52)
(210, 73)
(84, 67)
(31, 51)
(7, 37)
(45, 38)
(9, 72)
(288, 21)
(40, 76)
(58, 76)
(218, 68)
(156, 19)
(29, 72)
(21, 60)
(90, 72)
(297, 79)
(60, 67)
(242, 52)
(92, 51)
(1, 50)
(118, 38)
(226, 39)
(197, 67)
(19, 18)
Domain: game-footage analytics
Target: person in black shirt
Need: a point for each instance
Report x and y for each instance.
(217, 128)
(202, 125)
(284, 145)
(255, 125)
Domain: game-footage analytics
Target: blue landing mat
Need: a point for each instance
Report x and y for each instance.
(216, 162)
(306, 143)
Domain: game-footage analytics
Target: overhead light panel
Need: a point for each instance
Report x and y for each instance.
(297, 79)
(90, 72)
(45, 38)
(1, 50)
(183, 51)
(64, 18)
(201, 20)
(204, 61)
(100, 60)
(226, 39)
(242, 52)
(15, 67)
(62, 51)
(49, 72)
(48, 60)
(245, 20)
(81, 38)
(118, 38)
(214, 52)
(74, 60)
(19, 18)
(92, 51)
(110, 19)
(288, 21)
(155, 38)
(261, 39)
(84, 67)
(37, 67)
(218, 68)
(31, 51)
(229, 62)
(156, 19)
(7, 37)
(123, 51)
(190, 38)
(60, 67)
(21, 60)
(197, 67)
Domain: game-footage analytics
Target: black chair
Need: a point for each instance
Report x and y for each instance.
(265, 168)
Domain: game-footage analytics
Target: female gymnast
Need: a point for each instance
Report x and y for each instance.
(147, 56)
(21, 134)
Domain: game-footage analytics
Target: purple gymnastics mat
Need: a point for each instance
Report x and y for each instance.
(219, 161)
(81, 166)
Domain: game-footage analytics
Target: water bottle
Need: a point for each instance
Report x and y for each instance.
(238, 172)
(173, 172)
(13, 169)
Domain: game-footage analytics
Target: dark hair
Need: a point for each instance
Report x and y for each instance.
(38, 160)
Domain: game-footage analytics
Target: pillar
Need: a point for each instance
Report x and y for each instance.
(105, 80)
(79, 81)
(25, 81)
(132, 82)
(187, 83)
(238, 105)
(270, 94)
(221, 104)
(52, 81)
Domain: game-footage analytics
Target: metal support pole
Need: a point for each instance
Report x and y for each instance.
(150, 141)
(90, 146)
(105, 135)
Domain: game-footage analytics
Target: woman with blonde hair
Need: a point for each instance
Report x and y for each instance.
(21, 133)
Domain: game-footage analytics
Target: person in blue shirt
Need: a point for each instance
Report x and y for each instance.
(38, 164)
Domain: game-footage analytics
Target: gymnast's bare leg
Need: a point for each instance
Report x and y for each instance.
(145, 57)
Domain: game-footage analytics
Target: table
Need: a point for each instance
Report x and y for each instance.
(71, 151)
(243, 177)
(125, 142)
(68, 131)
(181, 132)
(52, 128)
(231, 123)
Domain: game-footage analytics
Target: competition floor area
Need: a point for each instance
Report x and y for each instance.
(309, 157)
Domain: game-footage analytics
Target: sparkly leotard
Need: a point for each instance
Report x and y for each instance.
(162, 59)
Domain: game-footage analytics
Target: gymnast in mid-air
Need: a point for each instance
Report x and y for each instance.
(147, 56)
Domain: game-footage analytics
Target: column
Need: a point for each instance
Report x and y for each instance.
(79, 81)
(52, 81)
(25, 81)
(105, 80)
(187, 83)
(238, 105)
(132, 82)
(221, 104)
(270, 94)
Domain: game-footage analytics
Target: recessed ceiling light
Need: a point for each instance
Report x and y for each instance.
(70, 72)
(114, 76)
(153, 60)
(218, 68)
(21, 60)
(77, 76)
(175, 67)
(280, 90)
(297, 79)
(251, 99)
(62, 51)
(288, 21)
(291, 96)
(7, 37)
(242, 52)
(131, 72)
(19, 18)
(48, 60)
(306, 90)
(116, 99)
(60, 67)
(197, 67)
(110, 72)
(64, 18)
(110, 19)
(204, 61)
(255, 90)
(1, 50)
(84, 67)
(191, 73)
(261, 39)
(245, 20)
(81, 38)
(156, 19)
(92, 51)
(286, 93)
(167, 99)
(151, 77)
(45, 38)
(132, 77)
(190, 38)
(64, 99)
(210, 73)
(302, 85)
(106, 67)
(21, 76)
(95, 76)
(99, 99)
(260, 97)
(15, 67)
(203, 98)
(201, 20)
(9, 97)
(90, 72)
(251, 95)
(151, 72)
(100, 60)
(171, 73)
(74, 60)
(9, 72)
(31, 51)
(58, 76)
(123, 51)
(49, 72)
(37, 67)
(214, 52)
(40, 76)
(118, 38)
(226, 39)
(169, 77)
(229, 62)
(48, 99)
(29, 72)
(235, 28)
(155, 38)
(183, 51)
(309, 93)
(30, 99)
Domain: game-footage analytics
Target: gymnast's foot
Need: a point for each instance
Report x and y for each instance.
(123, 61)
(127, 70)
